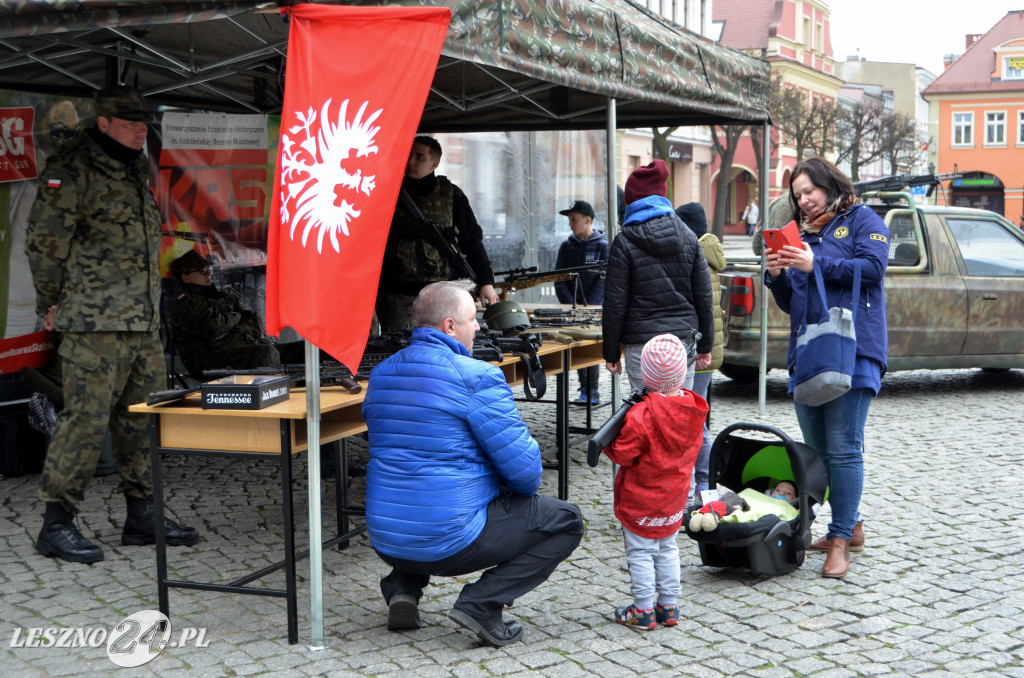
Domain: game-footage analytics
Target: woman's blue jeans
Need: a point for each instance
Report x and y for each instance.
(835, 431)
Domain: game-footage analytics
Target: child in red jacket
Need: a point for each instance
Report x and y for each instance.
(656, 450)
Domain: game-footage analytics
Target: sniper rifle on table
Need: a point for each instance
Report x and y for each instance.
(523, 278)
(606, 434)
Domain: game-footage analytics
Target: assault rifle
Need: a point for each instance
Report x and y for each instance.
(523, 278)
(330, 375)
(900, 181)
(606, 434)
(445, 238)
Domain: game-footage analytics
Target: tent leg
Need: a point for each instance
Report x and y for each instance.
(316, 591)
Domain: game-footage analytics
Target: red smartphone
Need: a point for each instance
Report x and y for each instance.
(777, 238)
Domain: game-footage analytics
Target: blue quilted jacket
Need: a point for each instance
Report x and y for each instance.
(445, 437)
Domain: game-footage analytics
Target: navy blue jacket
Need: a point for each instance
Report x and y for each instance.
(857, 233)
(445, 437)
(576, 252)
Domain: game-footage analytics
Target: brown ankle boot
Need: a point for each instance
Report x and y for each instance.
(837, 562)
(856, 541)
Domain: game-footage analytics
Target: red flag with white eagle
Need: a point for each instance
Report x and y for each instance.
(355, 84)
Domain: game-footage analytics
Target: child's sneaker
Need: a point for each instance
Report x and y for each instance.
(637, 619)
(667, 614)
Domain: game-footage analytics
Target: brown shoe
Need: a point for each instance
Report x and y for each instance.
(837, 563)
(856, 541)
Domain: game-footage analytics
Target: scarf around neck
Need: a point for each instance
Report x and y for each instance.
(819, 222)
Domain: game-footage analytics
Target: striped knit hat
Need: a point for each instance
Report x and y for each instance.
(663, 363)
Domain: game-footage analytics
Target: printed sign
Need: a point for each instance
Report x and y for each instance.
(17, 149)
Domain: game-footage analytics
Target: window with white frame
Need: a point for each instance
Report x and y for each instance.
(963, 128)
(1020, 128)
(995, 128)
(1013, 68)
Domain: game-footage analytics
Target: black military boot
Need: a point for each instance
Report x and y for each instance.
(60, 537)
(140, 526)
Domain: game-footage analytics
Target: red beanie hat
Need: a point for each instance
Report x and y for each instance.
(651, 179)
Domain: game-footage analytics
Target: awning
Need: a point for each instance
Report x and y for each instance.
(505, 65)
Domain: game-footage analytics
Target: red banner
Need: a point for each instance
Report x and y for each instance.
(28, 350)
(17, 148)
(355, 85)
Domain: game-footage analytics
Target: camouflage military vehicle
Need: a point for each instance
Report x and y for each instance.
(954, 291)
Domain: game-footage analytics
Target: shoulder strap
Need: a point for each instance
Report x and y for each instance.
(820, 283)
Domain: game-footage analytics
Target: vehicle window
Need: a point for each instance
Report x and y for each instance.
(903, 249)
(988, 248)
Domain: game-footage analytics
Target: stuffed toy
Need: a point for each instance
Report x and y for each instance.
(707, 518)
(747, 506)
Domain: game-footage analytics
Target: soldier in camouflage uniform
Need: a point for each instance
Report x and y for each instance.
(93, 245)
(211, 328)
(411, 261)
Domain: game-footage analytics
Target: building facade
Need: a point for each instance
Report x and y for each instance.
(794, 37)
(978, 103)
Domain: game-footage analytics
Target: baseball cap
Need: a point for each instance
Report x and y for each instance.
(581, 206)
(188, 262)
(119, 101)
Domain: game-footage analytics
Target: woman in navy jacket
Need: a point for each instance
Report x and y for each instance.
(836, 231)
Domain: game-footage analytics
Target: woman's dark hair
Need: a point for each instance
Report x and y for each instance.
(825, 176)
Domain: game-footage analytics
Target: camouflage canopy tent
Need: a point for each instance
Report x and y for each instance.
(505, 65)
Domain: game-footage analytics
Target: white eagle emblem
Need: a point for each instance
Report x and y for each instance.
(319, 190)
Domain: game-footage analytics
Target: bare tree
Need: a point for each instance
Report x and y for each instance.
(727, 140)
(661, 146)
(808, 126)
(858, 135)
(898, 142)
(783, 101)
(823, 117)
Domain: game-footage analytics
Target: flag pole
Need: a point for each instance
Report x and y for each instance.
(316, 590)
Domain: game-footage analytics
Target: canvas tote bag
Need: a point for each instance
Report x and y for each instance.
(826, 351)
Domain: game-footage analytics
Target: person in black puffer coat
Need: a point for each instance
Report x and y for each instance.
(657, 280)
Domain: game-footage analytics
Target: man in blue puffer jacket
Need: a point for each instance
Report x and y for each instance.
(453, 476)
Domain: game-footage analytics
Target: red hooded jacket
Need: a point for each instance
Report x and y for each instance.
(656, 450)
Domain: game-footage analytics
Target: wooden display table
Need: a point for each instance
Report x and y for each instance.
(184, 428)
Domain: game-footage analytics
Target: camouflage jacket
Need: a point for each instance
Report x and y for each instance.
(93, 242)
(715, 256)
(204, 319)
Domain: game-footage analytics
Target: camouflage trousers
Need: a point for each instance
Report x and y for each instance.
(103, 373)
(394, 311)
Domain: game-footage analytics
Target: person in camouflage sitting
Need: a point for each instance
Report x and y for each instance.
(212, 329)
(93, 245)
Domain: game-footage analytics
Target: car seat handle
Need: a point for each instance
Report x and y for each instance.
(751, 426)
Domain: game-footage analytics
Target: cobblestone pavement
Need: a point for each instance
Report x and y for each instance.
(939, 590)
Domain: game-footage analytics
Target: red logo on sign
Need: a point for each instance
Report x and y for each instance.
(17, 149)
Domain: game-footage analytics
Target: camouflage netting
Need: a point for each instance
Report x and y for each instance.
(505, 65)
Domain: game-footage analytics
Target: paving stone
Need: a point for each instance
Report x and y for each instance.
(921, 600)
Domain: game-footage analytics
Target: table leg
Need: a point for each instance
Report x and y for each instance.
(562, 426)
(289, 533)
(341, 489)
(158, 506)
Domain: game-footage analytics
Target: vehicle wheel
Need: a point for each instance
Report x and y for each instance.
(739, 373)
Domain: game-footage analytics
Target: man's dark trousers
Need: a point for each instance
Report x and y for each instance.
(524, 540)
